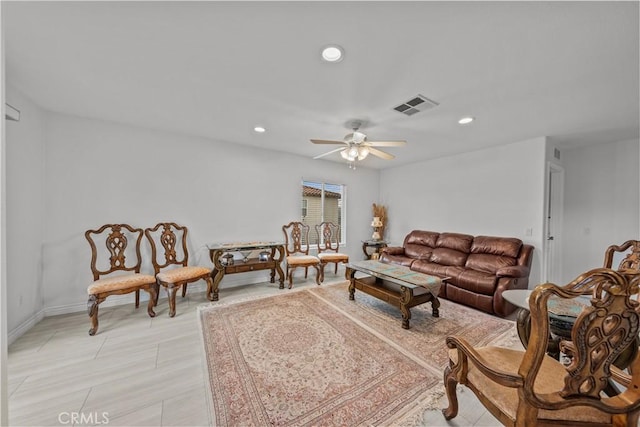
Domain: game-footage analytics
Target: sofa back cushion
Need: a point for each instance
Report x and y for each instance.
(419, 244)
(488, 253)
(449, 257)
(488, 263)
(506, 246)
(451, 249)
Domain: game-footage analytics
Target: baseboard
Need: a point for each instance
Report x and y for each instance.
(229, 281)
(25, 326)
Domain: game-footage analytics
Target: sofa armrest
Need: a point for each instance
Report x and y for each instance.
(513, 271)
(394, 250)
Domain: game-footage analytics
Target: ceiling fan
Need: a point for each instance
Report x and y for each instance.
(356, 146)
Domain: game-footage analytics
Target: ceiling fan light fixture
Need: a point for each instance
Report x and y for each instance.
(332, 53)
(363, 152)
(466, 120)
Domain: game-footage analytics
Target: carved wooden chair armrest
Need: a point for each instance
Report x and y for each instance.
(467, 352)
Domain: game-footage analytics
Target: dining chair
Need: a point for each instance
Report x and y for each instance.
(296, 247)
(115, 265)
(329, 246)
(170, 259)
(528, 388)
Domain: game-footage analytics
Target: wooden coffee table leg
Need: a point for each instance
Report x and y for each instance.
(406, 295)
(435, 305)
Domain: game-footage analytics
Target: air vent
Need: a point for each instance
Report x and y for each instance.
(415, 105)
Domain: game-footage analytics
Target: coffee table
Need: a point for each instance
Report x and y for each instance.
(395, 284)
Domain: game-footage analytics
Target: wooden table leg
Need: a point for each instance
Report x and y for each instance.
(406, 295)
(350, 275)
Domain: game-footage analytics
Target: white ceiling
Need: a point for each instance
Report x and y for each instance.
(567, 70)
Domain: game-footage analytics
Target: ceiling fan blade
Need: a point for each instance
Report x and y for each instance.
(381, 154)
(326, 141)
(387, 143)
(330, 152)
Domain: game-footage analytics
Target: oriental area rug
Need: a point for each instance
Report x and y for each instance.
(313, 358)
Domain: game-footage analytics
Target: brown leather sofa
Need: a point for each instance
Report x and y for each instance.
(478, 268)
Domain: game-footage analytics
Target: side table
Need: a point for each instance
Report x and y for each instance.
(377, 246)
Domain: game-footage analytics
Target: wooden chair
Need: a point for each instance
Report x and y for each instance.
(631, 261)
(116, 268)
(527, 388)
(170, 259)
(296, 248)
(329, 246)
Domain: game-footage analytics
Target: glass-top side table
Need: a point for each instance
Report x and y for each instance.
(372, 248)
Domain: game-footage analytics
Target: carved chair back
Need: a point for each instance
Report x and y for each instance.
(296, 238)
(111, 250)
(328, 237)
(631, 261)
(603, 330)
(168, 245)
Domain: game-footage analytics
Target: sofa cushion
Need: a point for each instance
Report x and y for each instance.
(417, 251)
(446, 256)
(459, 242)
(477, 281)
(419, 237)
(489, 263)
(431, 268)
(504, 246)
(419, 244)
(397, 259)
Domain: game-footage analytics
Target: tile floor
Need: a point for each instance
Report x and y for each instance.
(137, 371)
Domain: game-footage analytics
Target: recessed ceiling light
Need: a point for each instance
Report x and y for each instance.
(466, 120)
(332, 53)
(259, 129)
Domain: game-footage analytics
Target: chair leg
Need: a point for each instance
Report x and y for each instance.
(172, 290)
(335, 271)
(319, 275)
(290, 274)
(138, 298)
(157, 287)
(184, 290)
(92, 309)
(306, 272)
(152, 300)
(450, 384)
(322, 266)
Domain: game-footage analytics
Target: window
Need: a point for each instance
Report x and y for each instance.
(322, 202)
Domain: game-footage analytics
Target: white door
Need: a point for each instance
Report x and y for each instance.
(553, 224)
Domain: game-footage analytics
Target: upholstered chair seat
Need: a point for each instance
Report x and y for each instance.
(302, 260)
(119, 283)
(182, 273)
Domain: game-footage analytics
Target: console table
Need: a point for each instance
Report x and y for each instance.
(276, 255)
(396, 284)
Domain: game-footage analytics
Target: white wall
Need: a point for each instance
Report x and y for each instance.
(601, 203)
(25, 213)
(99, 172)
(497, 191)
